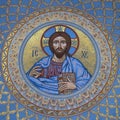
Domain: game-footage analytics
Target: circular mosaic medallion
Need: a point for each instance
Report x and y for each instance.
(90, 73)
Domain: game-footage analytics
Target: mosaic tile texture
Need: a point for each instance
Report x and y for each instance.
(107, 12)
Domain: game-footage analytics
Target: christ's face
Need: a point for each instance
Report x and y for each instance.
(59, 46)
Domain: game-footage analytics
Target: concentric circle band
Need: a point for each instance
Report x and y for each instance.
(27, 96)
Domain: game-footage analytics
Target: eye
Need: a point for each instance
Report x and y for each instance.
(55, 42)
(63, 42)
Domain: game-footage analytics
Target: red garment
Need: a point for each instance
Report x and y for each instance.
(54, 69)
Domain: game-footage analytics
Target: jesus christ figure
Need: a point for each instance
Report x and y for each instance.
(45, 73)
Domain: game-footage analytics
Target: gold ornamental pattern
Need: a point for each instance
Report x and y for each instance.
(31, 98)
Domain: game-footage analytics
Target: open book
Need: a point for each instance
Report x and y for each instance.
(66, 77)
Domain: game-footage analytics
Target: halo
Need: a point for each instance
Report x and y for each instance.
(57, 28)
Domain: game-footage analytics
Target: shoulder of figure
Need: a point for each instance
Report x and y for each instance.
(43, 61)
(75, 61)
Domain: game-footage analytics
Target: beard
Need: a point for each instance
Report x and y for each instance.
(59, 52)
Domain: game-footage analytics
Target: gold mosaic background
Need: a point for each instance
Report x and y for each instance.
(84, 45)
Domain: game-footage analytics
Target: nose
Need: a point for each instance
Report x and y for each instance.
(59, 45)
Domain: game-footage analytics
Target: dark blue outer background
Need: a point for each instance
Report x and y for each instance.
(105, 11)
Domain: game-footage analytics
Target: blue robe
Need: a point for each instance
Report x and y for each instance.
(50, 85)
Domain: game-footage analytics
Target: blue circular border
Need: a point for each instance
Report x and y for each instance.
(20, 58)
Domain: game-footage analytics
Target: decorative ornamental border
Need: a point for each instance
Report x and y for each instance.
(34, 103)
